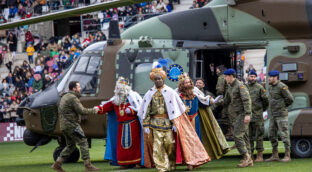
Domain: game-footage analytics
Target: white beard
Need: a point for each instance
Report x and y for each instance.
(119, 99)
(121, 94)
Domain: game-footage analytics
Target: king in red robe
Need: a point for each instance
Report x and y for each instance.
(125, 104)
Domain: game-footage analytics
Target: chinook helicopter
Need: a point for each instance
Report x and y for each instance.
(191, 40)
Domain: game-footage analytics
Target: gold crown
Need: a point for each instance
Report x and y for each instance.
(123, 80)
(183, 76)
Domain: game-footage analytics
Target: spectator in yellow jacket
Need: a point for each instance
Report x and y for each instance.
(30, 52)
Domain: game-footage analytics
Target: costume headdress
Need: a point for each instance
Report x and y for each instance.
(183, 76)
(123, 81)
(157, 70)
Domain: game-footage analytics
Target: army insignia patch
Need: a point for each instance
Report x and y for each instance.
(174, 71)
(242, 86)
(284, 88)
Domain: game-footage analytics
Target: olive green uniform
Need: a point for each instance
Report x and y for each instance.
(280, 98)
(221, 89)
(260, 103)
(70, 110)
(238, 100)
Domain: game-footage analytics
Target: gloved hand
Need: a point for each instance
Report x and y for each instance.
(96, 109)
(146, 130)
(217, 99)
(174, 129)
(128, 111)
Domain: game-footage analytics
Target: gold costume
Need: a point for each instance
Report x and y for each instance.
(163, 143)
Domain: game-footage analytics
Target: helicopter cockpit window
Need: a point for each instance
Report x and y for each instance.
(88, 83)
(86, 73)
(93, 65)
(98, 46)
(82, 64)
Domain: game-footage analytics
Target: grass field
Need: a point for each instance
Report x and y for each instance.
(15, 157)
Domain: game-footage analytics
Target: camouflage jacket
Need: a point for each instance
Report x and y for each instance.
(280, 98)
(238, 99)
(70, 110)
(221, 85)
(259, 99)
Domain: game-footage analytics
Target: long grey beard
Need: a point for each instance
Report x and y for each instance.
(119, 99)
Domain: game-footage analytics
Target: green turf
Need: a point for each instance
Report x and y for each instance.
(15, 157)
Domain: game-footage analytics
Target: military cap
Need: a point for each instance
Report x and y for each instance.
(230, 71)
(274, 73)
(252, 72)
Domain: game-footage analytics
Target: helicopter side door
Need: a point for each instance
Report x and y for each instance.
(136, 64)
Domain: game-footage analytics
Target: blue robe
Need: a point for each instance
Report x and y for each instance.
(111, 140)
(194, 109)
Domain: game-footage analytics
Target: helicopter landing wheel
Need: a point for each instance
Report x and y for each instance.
(301, 147)
(74, 157)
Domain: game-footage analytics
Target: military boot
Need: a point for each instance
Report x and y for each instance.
(57, 166)
(286, 157)
(259, 157)
(89, 166)
(246, 162)
(274, 156)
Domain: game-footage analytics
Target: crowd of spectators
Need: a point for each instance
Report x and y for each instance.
(46, 66)
(22, 9)
(48, 60)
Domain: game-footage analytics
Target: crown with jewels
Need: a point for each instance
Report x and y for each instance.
(183, 76)
(122, 80)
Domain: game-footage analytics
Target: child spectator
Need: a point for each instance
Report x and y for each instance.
(37, 84)
(30, 52)
(53, 48)
(47, 82)
(3, 85)
(38, 68)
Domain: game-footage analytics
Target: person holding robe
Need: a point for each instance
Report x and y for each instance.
(201, 118)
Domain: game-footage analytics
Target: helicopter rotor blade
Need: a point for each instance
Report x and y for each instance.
(70, 13)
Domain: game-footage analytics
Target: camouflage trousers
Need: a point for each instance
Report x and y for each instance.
(225, 117)
(256, 132)
(71, 141)
(279, 125)
(241, 138)
(163, 150)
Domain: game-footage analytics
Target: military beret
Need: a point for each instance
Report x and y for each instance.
(274, 73)
(230, 71)
(252, 72)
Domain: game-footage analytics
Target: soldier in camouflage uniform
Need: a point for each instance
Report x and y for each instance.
(70, 110)
(238, 100)
(221, 88)
(260, 103)
(280, 98)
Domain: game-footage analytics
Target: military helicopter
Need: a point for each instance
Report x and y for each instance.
(191, 40)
